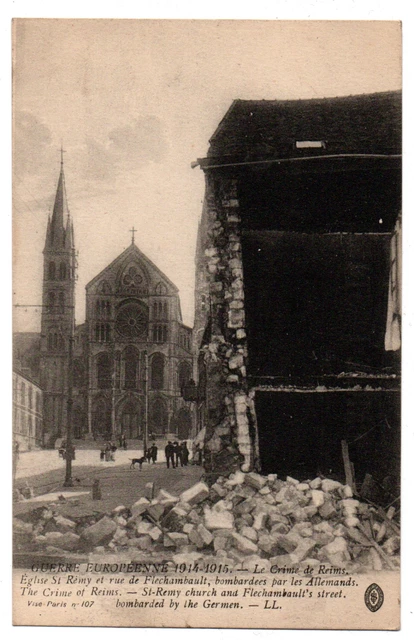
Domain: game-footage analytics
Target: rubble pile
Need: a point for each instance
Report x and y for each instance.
(242, 520)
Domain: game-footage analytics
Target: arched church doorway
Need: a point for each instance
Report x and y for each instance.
(101, 418)
(183, 424)
(131, 420)
(158, 417)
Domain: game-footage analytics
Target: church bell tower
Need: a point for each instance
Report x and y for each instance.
(57, 313)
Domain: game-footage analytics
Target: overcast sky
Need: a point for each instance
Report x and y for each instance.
(135, 102)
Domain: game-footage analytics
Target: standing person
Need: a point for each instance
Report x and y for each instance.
(124, 442)
(154, 453)
(185, 453)
(176, 452)
(169, 454)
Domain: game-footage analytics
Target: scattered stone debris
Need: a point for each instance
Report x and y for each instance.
(244, 519)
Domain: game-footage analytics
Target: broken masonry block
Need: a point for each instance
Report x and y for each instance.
(178, 539)
(218, 519)
(255, 480)
(149, 490)
(99, 533)
(330, 485)
(327, 510)
(244, 544)
(318, 498)
(139, 506)
(195, 494)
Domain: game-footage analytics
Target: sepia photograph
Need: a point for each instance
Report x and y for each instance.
(207, 308)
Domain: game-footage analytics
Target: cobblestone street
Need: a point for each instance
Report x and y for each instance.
(44, 472)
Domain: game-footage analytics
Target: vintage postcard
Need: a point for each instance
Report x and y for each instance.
(207, 323)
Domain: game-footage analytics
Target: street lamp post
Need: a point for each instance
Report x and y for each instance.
(69, 431)
(145, 401)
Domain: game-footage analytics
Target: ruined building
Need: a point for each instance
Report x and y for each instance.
(297, 325)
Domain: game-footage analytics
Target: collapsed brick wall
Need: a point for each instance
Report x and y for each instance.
(231, 430)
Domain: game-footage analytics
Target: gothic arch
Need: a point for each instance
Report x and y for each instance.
(160, 289)
(103, 370)
(157, 371)
(101, 417)
(158, 416)
(131, 358)
(52, 270)
(130, 416)
(184, 373)
(184, 424)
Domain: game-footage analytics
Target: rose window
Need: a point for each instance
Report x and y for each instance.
(132, 321)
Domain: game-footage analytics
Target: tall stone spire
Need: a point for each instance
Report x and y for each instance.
(57, 312)
(55, 237)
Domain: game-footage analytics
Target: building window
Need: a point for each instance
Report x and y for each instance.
(61, 302)
(62, 271)
(132, 281)
(23, 394)
(310, 144)
(52, 271)
(160, 333)
(103, 309)
(102, 332)
(54, 341)
(184, 340)
(30, 397)
(51, 301)
(157, 371)
(104, 372)
(161, 310)
(161, 289)
(184, 374)
(38, 402)
(132, 320)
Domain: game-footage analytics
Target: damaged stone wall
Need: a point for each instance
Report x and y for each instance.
(228, 411)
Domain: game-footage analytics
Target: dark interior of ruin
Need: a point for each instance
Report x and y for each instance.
(316, 260)
(310, 427)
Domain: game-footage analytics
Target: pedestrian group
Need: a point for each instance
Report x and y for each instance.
(176, 454)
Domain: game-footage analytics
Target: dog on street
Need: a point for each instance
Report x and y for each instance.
(138, 461)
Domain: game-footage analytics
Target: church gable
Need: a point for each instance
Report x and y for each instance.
(132, 273)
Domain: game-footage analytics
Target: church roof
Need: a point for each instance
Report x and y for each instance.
(131, 252)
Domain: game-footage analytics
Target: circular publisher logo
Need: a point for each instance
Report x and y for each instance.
(374, 597)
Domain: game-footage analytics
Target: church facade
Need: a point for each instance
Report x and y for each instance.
(131, 358)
